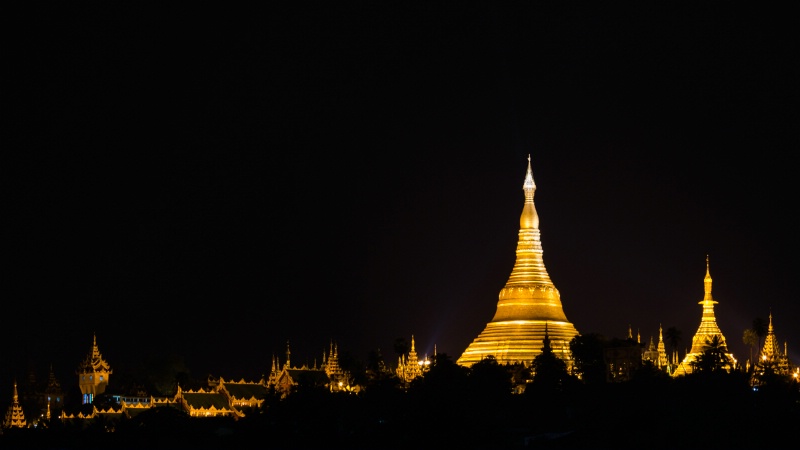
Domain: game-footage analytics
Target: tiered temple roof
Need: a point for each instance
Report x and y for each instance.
(15, 417)
(771, 354)
(408, 366)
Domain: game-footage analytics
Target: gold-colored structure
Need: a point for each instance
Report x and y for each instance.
(410, 367)
(707, 331)
(93, 374)
(529, 303)
(771, 354)
(15, 416)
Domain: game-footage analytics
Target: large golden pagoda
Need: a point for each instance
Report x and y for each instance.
(707, 331)
(529, 304)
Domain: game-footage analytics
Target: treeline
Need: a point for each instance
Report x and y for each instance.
(479, 407)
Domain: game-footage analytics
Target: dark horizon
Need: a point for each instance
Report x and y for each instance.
(215, 186)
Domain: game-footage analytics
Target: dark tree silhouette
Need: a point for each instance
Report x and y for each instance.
(587, 353)
(401, 346)
(549, 371)
(713, 358)
(760, 328)
(489, 378)
(673, 337)
(750, 338)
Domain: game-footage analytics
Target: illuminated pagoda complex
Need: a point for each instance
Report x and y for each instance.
(706, 333)
(528, 305)
(93, 374)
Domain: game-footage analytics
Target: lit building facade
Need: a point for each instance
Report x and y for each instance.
(93, 374)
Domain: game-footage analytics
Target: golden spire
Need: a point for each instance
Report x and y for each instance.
(15, 416)
(662, 350)
(708, 323)
(528, 300)
(707, 331)
(412, 355)
(707, 286)
(771, 350)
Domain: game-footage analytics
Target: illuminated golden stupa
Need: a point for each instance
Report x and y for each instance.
(707, 331)
(529, 304)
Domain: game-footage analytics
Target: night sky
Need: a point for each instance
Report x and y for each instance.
(210, 184)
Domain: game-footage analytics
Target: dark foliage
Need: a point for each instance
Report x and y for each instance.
(471, 408)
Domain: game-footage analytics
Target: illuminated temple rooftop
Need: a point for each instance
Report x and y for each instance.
(529, 304)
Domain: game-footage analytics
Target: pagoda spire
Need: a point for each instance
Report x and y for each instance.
(662, 350)
(529, 300)
(707, 331)
(15, 416)
(771, 350)
(708, 323)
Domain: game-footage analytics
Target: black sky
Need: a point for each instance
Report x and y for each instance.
(213, 183)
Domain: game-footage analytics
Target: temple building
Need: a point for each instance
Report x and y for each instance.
(410, 366)
(528, 304)
(657, 355)
(286, 378)
(15, 416)
(706, 333)
(93, 374)
(40, 398)
(771, 354)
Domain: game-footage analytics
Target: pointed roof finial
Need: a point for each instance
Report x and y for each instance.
(529, 184)
(529, 218)
(707, 284)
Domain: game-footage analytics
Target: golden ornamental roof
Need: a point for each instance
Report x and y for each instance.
(15, 416)
(94, 362)
(771, 350)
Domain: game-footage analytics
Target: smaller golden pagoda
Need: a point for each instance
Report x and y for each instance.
(409, 367)
(15, 417)
(662, 350)
(771, 354)
(706, 333)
